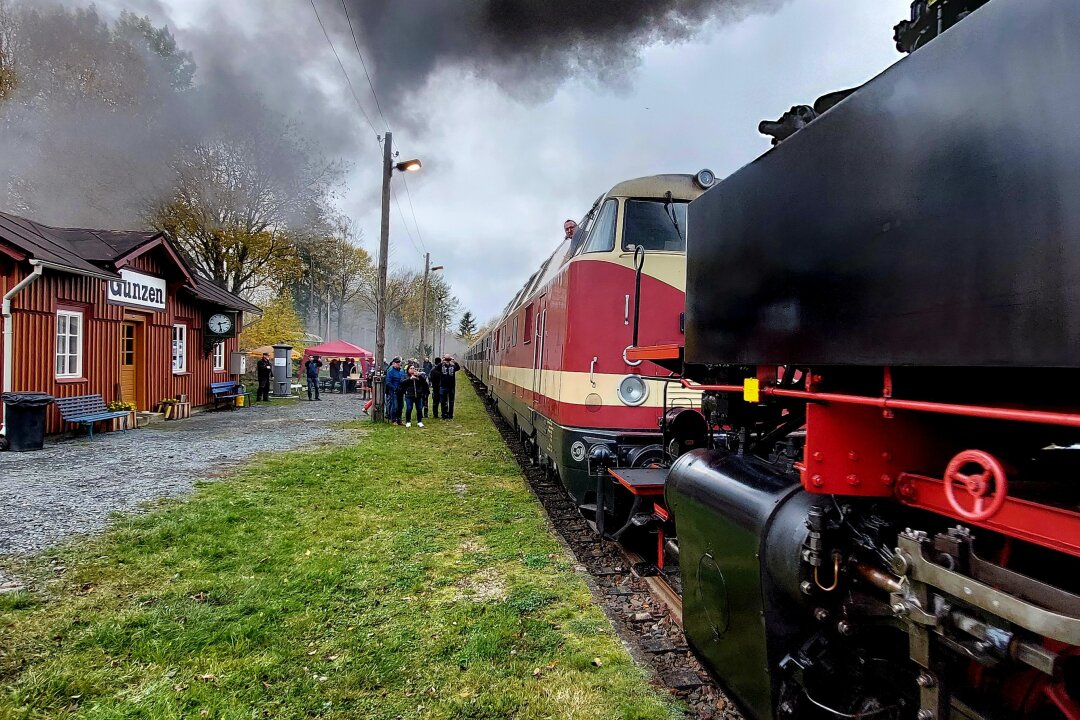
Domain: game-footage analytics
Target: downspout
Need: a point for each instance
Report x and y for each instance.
(9, 334)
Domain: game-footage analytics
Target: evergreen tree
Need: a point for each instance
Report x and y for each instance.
(467, 326)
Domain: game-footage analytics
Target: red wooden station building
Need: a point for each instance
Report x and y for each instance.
(120, 314)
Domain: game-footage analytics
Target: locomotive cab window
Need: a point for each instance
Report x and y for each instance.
(602, 235)
(656, 225)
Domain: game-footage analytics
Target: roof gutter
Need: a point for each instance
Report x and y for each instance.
(38, 269)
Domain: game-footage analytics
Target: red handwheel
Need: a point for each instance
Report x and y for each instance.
(989, 483)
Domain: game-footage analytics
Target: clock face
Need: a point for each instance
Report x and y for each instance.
(219, 323)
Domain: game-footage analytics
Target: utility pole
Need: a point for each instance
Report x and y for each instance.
(423, 312)
(380, 304)
(328, 312)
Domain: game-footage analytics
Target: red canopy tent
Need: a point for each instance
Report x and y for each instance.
(338, 349)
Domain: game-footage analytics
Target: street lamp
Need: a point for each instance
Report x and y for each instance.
(423, 305)
(384, 247)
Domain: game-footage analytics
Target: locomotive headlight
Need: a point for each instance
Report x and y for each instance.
(633, 391)
(705, 178)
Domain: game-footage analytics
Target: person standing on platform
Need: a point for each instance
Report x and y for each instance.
(415, 388)
(435, 381)
(448, 386)
(311, 370)
(335, 374)
(264, 371)
(395, 377)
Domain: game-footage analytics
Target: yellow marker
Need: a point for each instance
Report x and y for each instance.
(751, 391)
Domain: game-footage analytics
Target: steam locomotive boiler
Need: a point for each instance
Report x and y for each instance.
(884, 315)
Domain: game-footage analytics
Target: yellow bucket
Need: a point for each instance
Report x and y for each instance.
(240, 401)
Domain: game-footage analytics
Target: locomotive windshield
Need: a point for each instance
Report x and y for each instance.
(656, 225)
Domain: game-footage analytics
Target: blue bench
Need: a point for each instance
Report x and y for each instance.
(225, 390)
(87, 410)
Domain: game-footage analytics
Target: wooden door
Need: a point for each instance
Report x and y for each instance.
(129, 363)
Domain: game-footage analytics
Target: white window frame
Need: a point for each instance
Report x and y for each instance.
(219, 356)
(68, 337)
(182, 366)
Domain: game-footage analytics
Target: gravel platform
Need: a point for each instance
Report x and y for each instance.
(73, 485)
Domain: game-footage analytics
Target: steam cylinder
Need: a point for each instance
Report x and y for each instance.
(741, 526)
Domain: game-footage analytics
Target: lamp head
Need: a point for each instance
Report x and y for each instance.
(409, 165)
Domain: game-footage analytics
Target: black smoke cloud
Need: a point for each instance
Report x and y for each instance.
(528, 47)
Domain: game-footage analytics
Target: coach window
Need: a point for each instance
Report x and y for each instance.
(602, 235)
(514, 335)
(69, 343)
(528, 324)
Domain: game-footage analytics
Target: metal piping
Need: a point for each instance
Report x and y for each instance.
(888, 403)
(38, 269)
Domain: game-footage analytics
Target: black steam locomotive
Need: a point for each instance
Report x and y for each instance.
(884, 315)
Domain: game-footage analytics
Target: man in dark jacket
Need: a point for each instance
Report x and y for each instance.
(311, 370)
(264, 370)
(447, 386)
(393, 388)
(335, 374)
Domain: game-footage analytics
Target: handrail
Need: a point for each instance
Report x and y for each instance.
(1040, 417)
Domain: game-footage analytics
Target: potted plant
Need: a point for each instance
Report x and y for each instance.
(119, 406)
(167, 406)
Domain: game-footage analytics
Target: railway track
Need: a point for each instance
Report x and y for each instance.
(646, 610)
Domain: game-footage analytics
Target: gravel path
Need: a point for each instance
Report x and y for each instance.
(72, 486)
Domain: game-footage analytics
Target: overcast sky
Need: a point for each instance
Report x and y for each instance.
(509, 155)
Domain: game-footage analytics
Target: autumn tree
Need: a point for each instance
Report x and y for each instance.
(90, 111)
(279, 324)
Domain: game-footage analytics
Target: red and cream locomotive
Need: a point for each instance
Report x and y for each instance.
(555, 365)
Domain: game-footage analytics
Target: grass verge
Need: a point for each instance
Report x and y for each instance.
(407, 575)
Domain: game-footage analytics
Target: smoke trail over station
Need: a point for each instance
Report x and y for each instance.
(527, 45)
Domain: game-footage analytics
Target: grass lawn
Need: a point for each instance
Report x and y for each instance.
(408, 574)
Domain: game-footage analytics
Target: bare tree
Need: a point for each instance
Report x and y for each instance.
(236, 200)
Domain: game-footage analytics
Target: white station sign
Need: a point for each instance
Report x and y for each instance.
(137, 289)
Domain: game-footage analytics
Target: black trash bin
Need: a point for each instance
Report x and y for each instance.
(25, 419)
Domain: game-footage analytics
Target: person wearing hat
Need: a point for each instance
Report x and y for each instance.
(264, 370)
(395, 377)
(447, 386)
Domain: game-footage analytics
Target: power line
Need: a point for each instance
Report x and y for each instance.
(413, 211)
(404, 223)
(364, 64)
(371, 85)
(348, 80)
(378, 105)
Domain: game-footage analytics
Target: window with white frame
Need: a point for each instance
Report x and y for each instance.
(69, 343)
(219, 356)
(179, 348)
